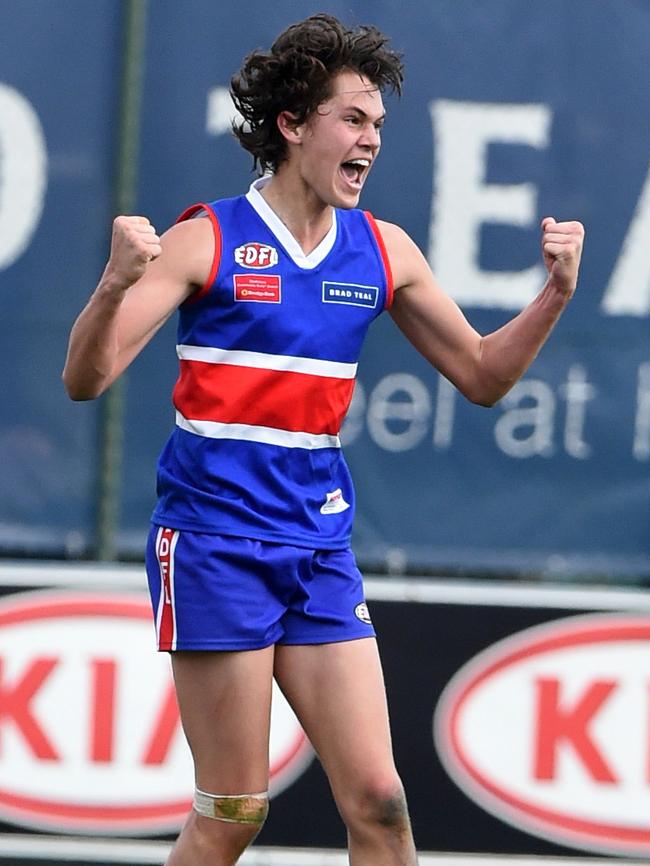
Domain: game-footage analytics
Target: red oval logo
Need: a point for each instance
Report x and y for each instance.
(550, 731)
(90, 736)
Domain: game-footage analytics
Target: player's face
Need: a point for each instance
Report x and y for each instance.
(341, 140)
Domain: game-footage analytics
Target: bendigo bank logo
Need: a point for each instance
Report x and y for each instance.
(260, 288)
(254, 255)
(549, 731)
(90, 735)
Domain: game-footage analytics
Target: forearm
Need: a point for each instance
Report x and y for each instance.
(93, 347)
(507, 353)
(482, 368)
(95, 354)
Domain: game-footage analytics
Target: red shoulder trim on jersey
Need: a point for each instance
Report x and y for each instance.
(216, 260)
(384, 258)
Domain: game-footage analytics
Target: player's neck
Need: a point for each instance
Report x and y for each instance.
(303, 213)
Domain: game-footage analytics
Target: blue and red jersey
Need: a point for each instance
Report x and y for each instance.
(268, 351)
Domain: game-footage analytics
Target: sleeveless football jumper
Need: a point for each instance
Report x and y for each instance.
(268, 351)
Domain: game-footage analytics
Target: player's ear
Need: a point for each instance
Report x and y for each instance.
(289, 127)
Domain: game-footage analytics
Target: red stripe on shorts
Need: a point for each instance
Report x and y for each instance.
(166, 625)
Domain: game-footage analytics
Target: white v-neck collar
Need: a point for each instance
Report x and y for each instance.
(282, 233)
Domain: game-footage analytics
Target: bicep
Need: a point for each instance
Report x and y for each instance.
(428, 317)
(146, 308)
(437, 328)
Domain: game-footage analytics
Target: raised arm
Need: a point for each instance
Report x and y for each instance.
(144, 281)
(483, 368)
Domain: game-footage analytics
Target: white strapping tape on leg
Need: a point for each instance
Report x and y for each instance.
(233, 808)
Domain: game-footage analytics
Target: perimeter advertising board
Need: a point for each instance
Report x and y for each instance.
(520, 719)
(58, 102)
(92, 740)
(548, 730)
(511, 111)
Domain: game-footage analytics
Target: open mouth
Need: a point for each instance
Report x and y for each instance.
(355, 170)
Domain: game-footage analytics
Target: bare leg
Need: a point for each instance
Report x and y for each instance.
(225, 700)
(337, 692)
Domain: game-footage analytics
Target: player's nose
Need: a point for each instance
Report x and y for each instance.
(370, 137)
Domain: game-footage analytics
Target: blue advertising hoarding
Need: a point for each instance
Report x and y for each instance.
(58, 101)
(511, 112)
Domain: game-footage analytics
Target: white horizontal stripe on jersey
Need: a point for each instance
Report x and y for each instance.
(265, 435)
(262, 361)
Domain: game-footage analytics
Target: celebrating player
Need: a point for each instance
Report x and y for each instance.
(249, 562)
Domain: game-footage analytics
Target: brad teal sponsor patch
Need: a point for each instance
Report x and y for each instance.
(350, 293)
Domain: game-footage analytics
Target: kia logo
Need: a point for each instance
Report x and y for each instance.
(90, 736)
(549, 730)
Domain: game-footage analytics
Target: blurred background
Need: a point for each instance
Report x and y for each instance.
(473, 525)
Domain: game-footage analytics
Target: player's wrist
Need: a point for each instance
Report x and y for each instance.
(114, 283)
(562, 289)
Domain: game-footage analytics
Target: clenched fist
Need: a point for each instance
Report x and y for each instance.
(562, 249)
(134, 244)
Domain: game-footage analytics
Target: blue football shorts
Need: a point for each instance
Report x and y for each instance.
(221, 592)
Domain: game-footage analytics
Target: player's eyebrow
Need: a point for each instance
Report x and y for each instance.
(364, 114)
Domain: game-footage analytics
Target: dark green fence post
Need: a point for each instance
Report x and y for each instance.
(112, 410)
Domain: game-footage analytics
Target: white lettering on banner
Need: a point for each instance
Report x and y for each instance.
(577, 392)
(402, 399)
(540, 417)
(443, 424)
(23, 179)
(463, 201)
(525, 431)
(548, 729)
(221, 112)
(535, 419)
(628, 291)
(641, 443)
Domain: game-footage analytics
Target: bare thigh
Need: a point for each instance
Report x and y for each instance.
(337, 691)
(225, 705)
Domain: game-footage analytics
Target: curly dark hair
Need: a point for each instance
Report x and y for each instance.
(296, 76)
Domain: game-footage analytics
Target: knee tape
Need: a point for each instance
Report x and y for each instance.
(233, 808)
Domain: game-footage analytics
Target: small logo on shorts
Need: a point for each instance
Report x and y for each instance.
(334, 503)
(361, 612)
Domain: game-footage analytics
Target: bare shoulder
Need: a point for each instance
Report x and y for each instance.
(183, 266)
(406, 259)
(393, 235)
(188, 250)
